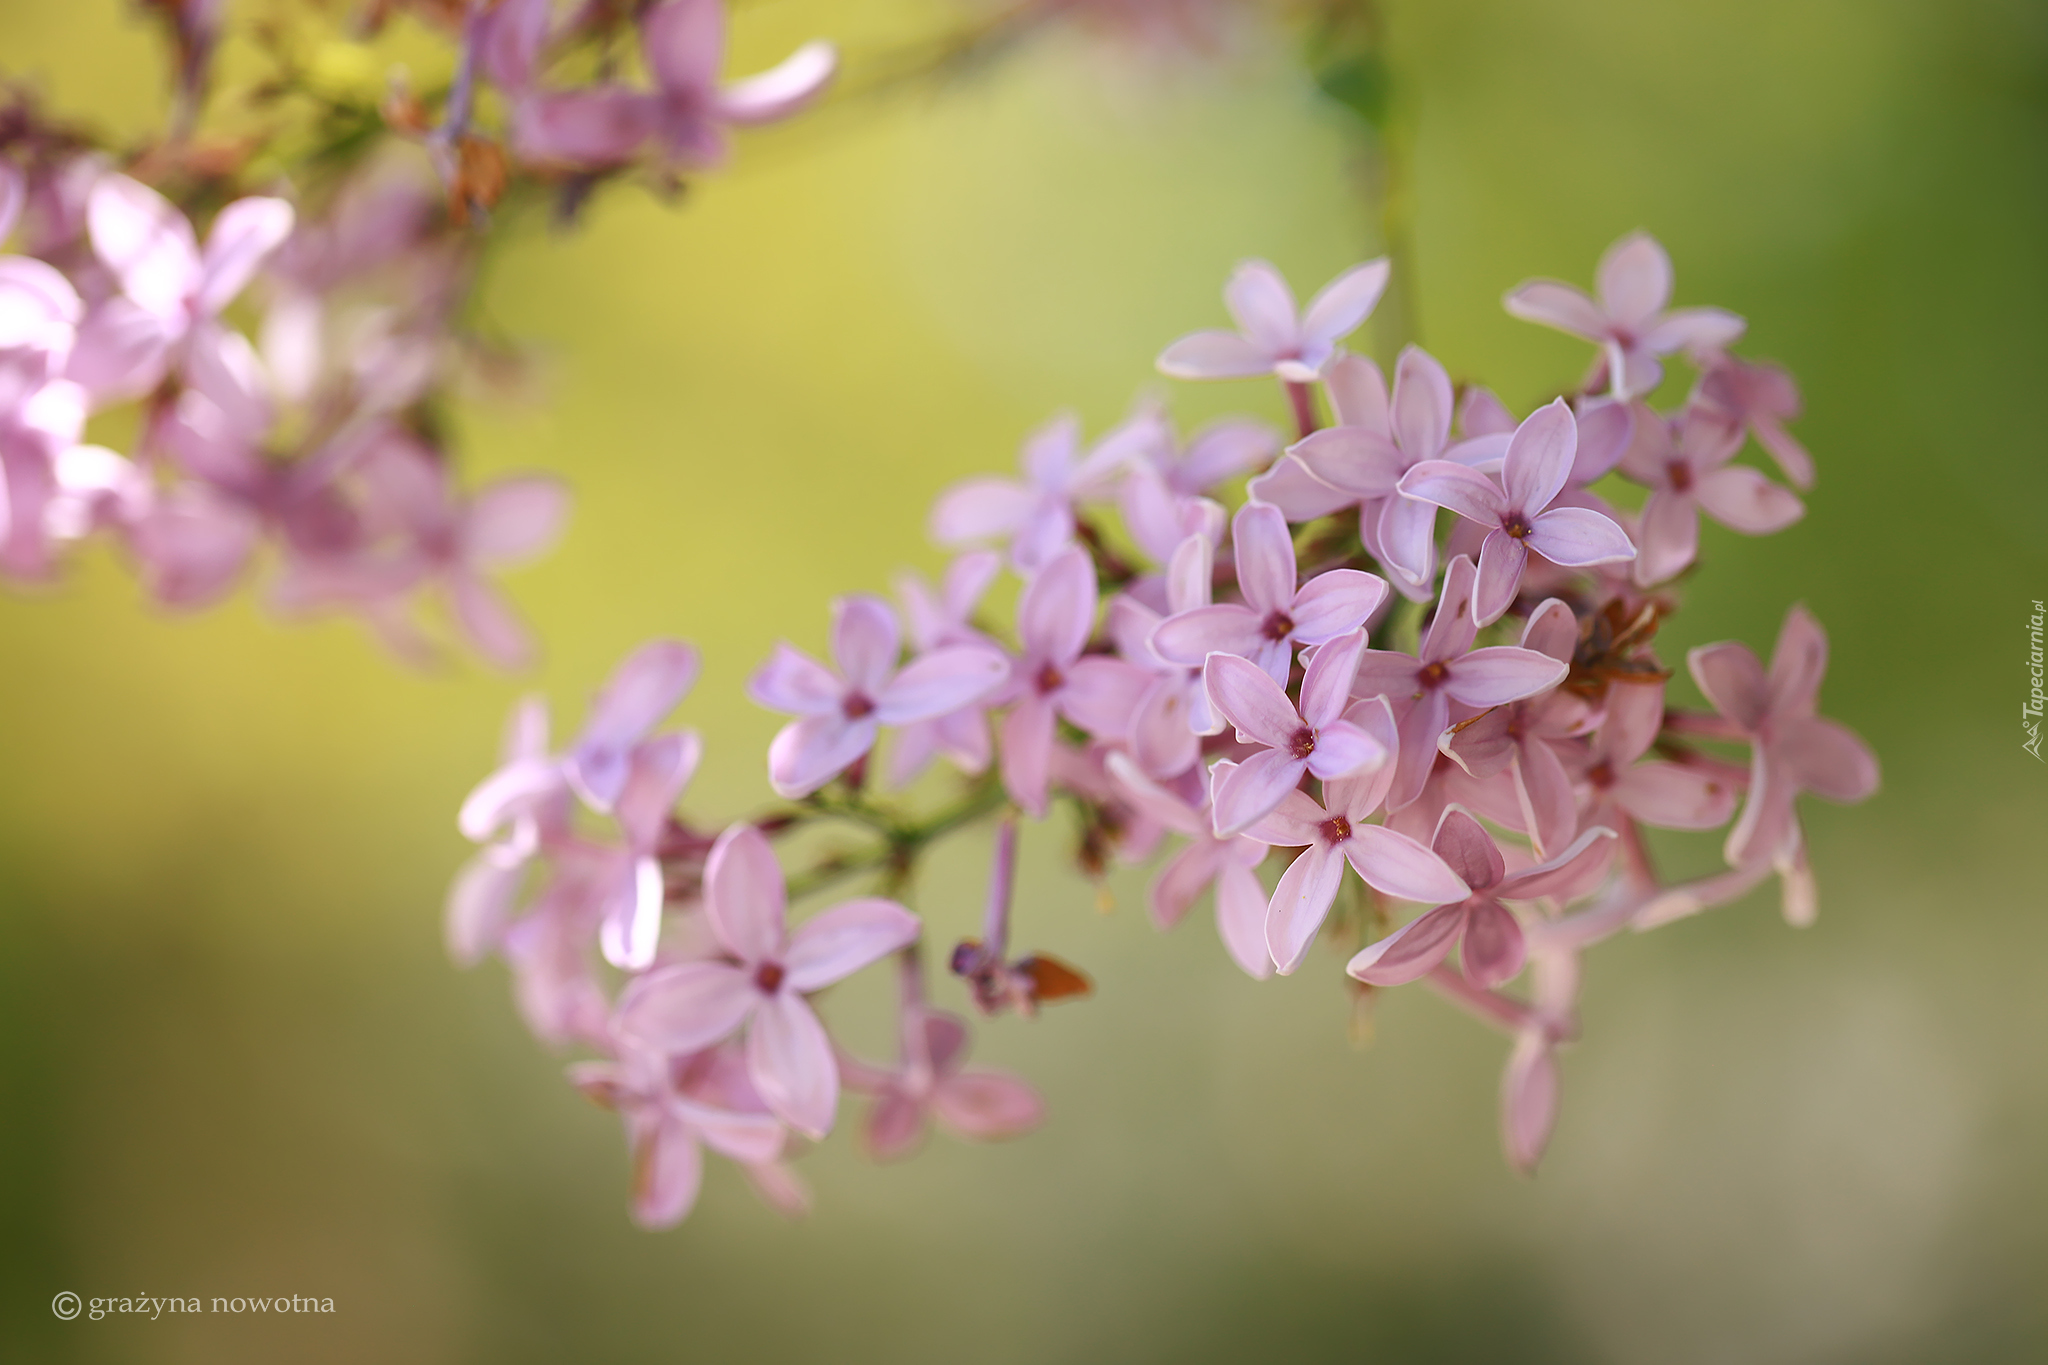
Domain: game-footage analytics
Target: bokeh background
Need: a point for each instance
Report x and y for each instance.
(234, 1060)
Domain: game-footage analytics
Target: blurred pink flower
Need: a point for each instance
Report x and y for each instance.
(1229, 865)
(1684, 464)
(930, 1082)
(1272, 336)
(1036, 516)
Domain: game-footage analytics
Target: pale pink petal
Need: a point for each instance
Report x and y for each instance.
(979, 509)
(1465, 491)
(1539, 458)
(120, 351)
(1634, 281)
(480, 903)
(1481, 413)
(1383, 672)
(1301, 902)
(1767, 820)
(1606, 428)
(641, 690)
(1262, 306)
(782, 89)
(1190, 637)
(506, 793)
(987, 1105)
(1334, 603)
(1343, 750)
(1253, 788)
(1672, 796)
(1213, 355)
(1549, 808)
(1102, 695)
(1057, 609)
(940, 682)
(631, 928)
(514, 519)
(1577, 536)
(1181, 882)
(1485, 745)
(738, 1136)
(1732, 679)
(489, 621)
(1670, 536)
(806, 754)
(1568, 873)
(1163, 739)
(1326, 683)
(1698, 331)
(1500, 674)
(1452, 628)
(794, 682)
(895, 1126)
(1241, 919)
(146, 242)
(789, 1059)
(1634, 715)
(1827, 757)
(744, 894)
(1421, 724)
(842, 940)
(1346, 302)
(597, 126)
(1556, 304)
(1391, 862)
(1407, 536)
(683, 42)
(1410, 951)
(1744, 500)
(1798, 661)
(1468, 849)
(1027, 753)
(1552, 630)
(1221, 451)
(1265, 557)
(1295, 823)
(865, 641)
(1528, 1101)
(686, 1006)
(1422, 404)
(1250, 700)
(1358, 394)
(659, 770)
(244, 233)
(668, 1171)
(1494, 947)
(1296, 492)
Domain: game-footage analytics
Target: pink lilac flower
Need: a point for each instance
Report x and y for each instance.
(1051, 678)
(1276, 617)
(1761, 399)
(1422, 689)
(1332, 833)
(1791, 748)
(689, 110)
(1494, 948)
(1660, 793)
(842, 713)
(1229, 865)
(1162, 496)
(1684, 464)
(1376, 442)
(1272, 337)
(1538, 461)
(452, 540)
(1036, 516)
(939, 620)
(931, 1083)
(174, 291)
(1309, 739)
(667, 1132)
(1174, 713)
(660, 768)
(480, 901)
(688, 1006)
(1629, 319)
(1534, 740)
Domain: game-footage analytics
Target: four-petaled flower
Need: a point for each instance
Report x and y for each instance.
(1684, 464)
(842, 713)
(1271, 336)
(931, 1083)
(688, 1006)
(1036, 515)
(1311, 738)
(1538, 462)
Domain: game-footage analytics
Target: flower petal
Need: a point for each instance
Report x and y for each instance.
(668, 1171)
(146, 242)
(1301, 902)
(1290, 486)
(865, 642)
(1423, 404)
(1262, 305)
(1556, 304)
(1499, 674)
(1828, 757)
(789, 1059)
(1465, 491)
(687, 1006)
(1410, 951)
(844, 939)
(1241, 918)
(1335, 603)
(1732, 679)
(1528, 1101)
(1326, 683)
(939, 682)
(1670, 536)
(1213, 355)
(980, 509)
(1265, 557)
(1253, 788)
(1027, 753)
(1494, 947)
(1742, 499)
(1191, 637)
(1468, 849)
(243, 234)
(782, 89)
(1393, 863)
(1634, 281)
(1057, 609)
(1578, 536)
(1539, 458)
(794, 682)
(1250, 700)
(1345, 302)
(1343, 750)
(744, 894)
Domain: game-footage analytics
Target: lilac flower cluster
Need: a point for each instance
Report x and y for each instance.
(279, 381)
(1440, 737)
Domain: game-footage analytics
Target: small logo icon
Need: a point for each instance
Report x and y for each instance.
(65, 1305)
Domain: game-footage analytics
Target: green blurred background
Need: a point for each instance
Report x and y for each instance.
(233, 1059)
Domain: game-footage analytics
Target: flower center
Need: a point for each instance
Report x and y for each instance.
(768, 977)
(857, 706)
(1679, 474)
(1050, 679)
(1432, 674)
(1516, 525)
(1303, 744)
(1334, 830)
(1278, 626)
(1601, 774)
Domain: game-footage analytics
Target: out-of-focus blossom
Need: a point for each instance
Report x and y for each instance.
(1036, 516)
(1760, 399)
(762, 982)
(1630, 318)
(930, 1083)
(1272, 336)
(937, 621)
(1684, 464)
(1226, 864)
